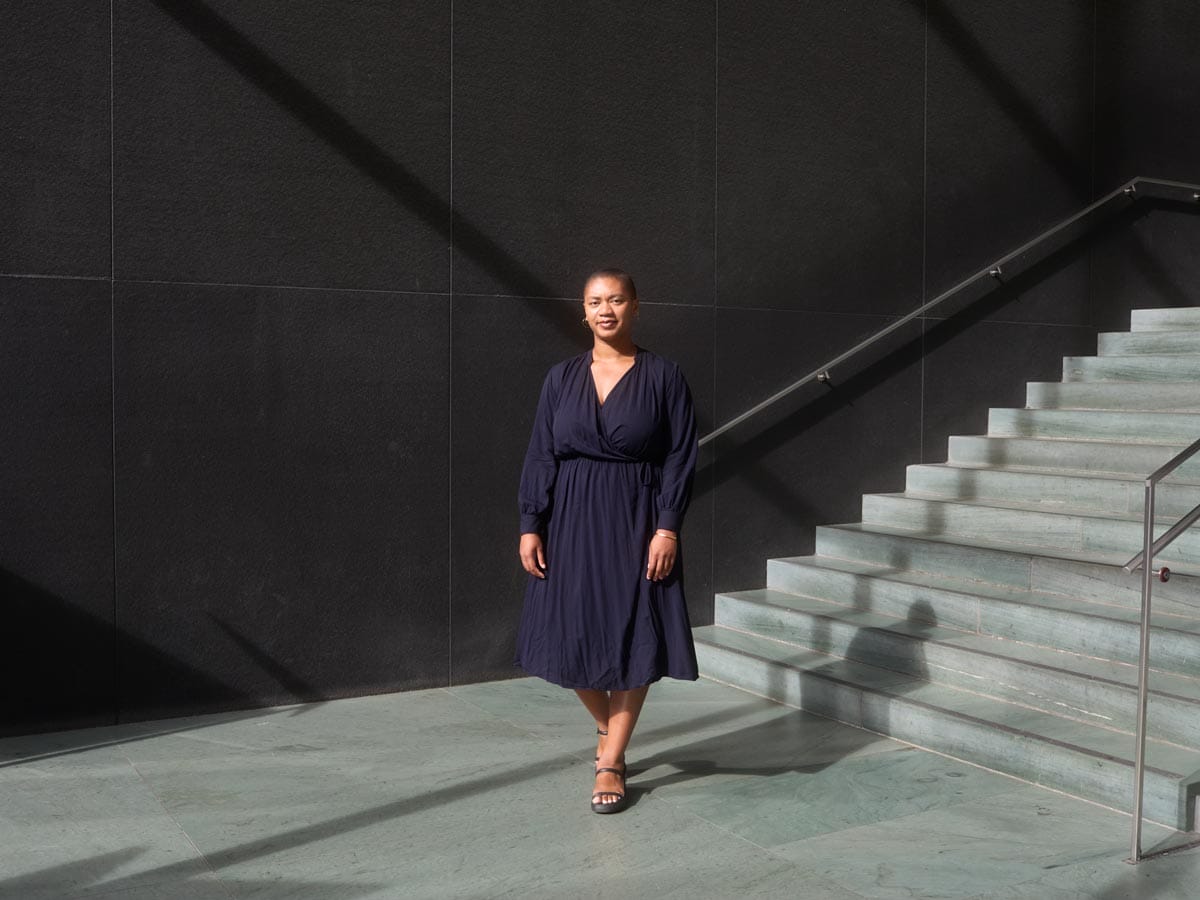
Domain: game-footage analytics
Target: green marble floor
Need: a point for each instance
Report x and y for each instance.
(482, 791)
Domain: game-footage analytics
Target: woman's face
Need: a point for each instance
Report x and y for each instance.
(608, 309)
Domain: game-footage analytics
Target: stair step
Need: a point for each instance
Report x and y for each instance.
(1184, 318)
(1180, 428)
(1032, 617)
(1025, 525)
(1090, 575)
(1132, 368)
(1125, 395)
(1052, 454)
(1051, 490)
(1060, 753)
(1099, 691)
(1155, 343)
(984, 614)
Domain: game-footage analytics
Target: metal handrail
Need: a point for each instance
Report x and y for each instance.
(1014, 262)
(1145, 561)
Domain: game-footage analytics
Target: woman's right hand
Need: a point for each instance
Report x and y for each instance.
(533, 555)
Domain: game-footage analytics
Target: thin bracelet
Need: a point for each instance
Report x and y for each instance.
(667, 535)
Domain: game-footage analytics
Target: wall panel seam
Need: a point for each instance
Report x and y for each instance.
(450, 372)
(112, 350)
(712, 475)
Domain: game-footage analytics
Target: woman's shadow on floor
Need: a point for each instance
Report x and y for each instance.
(802, 740)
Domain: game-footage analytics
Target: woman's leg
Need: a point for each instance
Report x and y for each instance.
(597, 704)
(624, 707)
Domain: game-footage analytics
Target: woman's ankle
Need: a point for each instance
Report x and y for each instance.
(609, 761)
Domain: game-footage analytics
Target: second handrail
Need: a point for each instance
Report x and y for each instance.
(1145, 561)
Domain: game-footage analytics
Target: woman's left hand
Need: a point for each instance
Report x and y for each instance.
(662, 557)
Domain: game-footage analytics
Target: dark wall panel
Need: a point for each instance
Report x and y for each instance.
(493, 404)
(820, 155)
(300, 143)
(583, 137)
(56, 518)
(808, 462)
(1147, 74)
(281, 494)
(1009, 138)
(1150, 264)
(54, 103)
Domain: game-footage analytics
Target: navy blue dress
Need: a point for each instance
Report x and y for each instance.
(598, 480)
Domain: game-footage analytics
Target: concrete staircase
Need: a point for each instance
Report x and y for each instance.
(983, 612)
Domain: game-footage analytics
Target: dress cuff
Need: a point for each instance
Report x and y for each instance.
(669, 519)
(530, 524)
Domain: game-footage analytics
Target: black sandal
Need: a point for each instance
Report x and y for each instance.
(623, 767)
(613, 806)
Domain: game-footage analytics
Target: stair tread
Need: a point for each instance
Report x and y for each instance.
(1095, 557)
(1161, 354)
(1139, 357)
(1170, 760)
(1116, 384)
(1188, 624)
(1101, 474)
(1091, 474)
(1126, 396)
(1180, 318)
(1170, 448)
(1142, 427)
(1150, 455)
(1023, 506)
(1185, 343)
(1184, 687)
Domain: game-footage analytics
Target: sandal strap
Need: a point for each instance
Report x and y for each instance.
(614, 771)
(605, 733)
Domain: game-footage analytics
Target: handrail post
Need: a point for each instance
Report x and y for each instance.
(1139, 764)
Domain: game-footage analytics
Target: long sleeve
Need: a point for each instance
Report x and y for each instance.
(680, 462)
(541, 468)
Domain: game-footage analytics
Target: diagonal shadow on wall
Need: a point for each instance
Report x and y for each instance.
(1009, 99)
(324, 121)
(1041, 135)
(34, 653)
(296, 686)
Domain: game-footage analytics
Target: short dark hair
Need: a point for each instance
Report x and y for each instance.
(620, 275)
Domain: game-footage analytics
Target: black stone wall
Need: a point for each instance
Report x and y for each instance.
(280, 283)
(1147, 87)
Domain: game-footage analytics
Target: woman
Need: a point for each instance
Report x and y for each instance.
(605, 485)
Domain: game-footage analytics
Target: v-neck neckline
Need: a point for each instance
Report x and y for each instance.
(637, 353)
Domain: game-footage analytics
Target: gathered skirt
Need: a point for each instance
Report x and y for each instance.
(595, 621)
